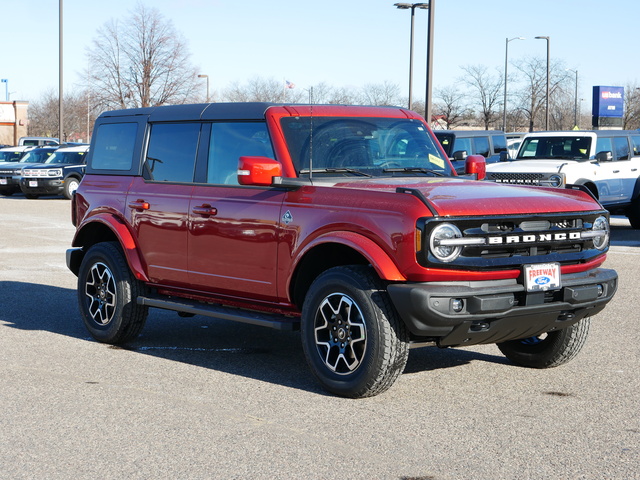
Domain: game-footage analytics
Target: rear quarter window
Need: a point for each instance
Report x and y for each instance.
(114, 146)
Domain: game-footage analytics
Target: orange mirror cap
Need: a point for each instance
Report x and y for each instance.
(476, 165)
(258, 170)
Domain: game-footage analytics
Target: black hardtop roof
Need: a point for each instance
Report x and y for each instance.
(200, 111)
(470, 133)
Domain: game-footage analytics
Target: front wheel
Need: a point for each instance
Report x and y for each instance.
(352, 337)
(70, 185)
(107, 294)
(633, 214)
(550, 349)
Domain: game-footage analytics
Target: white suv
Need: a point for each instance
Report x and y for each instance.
(607, 162)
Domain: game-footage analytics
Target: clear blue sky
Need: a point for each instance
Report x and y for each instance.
(344, 43)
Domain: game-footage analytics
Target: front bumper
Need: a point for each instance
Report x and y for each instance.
(9, 185)
(42, 186)
(497, 311)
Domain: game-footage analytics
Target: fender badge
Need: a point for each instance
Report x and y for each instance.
(287, 218)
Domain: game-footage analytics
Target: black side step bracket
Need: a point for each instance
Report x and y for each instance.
(271, 320)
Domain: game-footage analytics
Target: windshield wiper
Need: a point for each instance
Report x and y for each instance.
(335, 170)
(414, 169)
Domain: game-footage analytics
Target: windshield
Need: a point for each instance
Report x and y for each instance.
(363, 146)
(570, 148)
(66, 157)
(39, 155)
(10, 156)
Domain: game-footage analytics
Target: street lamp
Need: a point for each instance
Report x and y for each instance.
(546, 118)
(6, 88)
(429, 81)
(504, 102)
(207, 77)
(60, 75)
(575, 111)
(412, 7)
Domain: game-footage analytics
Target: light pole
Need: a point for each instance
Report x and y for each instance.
(412, 7)
(207, 77)
(429, 81)
(575, 110)
(504, 102)
(546, 117)
(6, 88)
(60, 78)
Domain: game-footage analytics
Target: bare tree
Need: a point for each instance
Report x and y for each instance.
(631, 115)
(450, 107)
(140, 62)
(386, 93)
(262, 90)
(78, 117)
(532, 94)
(489, 90)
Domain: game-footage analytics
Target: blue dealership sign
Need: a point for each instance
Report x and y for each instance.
(608, 101)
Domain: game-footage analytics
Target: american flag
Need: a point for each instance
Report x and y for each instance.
(288, 84)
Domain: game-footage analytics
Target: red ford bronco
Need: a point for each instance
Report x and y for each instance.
(347, 222)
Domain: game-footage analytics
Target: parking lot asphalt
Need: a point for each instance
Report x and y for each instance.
(203, 398)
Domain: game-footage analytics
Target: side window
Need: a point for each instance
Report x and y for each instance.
(114, 145)
(171, 155)
(230, 141)
(499, 143)
(462, 144)
(635, 142)
(482, 146)
(604, 145)
(622, 148)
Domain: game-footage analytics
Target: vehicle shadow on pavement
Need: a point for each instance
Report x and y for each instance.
(239, 349)
(425, 359)
(33, 306)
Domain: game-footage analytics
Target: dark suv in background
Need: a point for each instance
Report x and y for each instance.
(458, 144)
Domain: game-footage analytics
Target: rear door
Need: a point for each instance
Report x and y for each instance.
(158, 202)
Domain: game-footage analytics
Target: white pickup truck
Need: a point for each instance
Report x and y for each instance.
(607, 162)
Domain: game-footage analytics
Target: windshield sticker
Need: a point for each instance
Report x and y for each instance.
(436, 160)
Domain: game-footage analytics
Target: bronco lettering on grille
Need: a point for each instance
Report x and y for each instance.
(540, 237)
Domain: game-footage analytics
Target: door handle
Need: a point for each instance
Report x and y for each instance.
(139, 205)
(204, 210)
(616, 171)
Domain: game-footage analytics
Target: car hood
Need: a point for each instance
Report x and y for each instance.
(459, 197)
(5, 166)
(528, 166)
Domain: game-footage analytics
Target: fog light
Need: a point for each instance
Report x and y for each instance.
(457, 304)
(600, 290)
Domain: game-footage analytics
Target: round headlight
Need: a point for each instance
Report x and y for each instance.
(438, 242)
(601, 225)
(555, 180)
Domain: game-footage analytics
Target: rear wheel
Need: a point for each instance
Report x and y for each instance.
(107, 294)
(354, 341)
(550, 349)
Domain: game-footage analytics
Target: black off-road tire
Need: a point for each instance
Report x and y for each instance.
(70, 185)
(549, 350)
(633, 214)
(353, 339)
(107, 294)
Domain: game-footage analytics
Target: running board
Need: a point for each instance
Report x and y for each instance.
(271, 320)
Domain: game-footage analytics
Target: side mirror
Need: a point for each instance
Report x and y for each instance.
(460, 155)
(258, 170)
(476, 165)
(604, 156)
(504, 156)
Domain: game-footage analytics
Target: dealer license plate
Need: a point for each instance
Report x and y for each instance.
(542, 276)
(33, 183)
